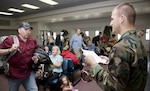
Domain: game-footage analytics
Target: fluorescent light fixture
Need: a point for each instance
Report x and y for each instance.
(16, 10)
(51, 2)
(30, 6)
(5, 13)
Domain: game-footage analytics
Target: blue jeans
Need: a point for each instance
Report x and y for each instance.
(29, 83)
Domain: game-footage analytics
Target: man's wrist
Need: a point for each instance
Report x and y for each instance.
(96, 69)
(94, 65)
(9, 50)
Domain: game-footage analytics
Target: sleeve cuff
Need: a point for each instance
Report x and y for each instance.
(96, 69)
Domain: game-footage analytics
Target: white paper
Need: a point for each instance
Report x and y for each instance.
(95, 56)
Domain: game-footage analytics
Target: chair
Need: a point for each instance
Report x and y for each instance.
(69, 70)
(56, 83)
(72, 71)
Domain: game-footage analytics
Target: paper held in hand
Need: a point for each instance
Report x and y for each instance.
(96, 57)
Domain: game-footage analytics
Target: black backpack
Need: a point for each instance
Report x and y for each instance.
(44, 64)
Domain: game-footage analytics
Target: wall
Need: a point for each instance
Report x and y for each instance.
(90, 25)
(142, 22)
(7, 26)
(7, 23)
(6, 32)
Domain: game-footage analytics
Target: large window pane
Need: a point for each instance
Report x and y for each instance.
(96, 32)
(87, 33)
(147, 34)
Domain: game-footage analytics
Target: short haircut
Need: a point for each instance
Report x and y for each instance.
(127, 10)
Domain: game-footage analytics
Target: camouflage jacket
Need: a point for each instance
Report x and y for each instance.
(127, 70)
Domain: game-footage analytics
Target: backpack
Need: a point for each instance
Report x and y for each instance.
(4, 66)
(44, 65)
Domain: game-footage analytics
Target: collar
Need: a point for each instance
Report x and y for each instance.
(130, 32)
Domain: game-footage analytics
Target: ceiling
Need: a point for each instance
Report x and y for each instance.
(141, 6)
(5, 4)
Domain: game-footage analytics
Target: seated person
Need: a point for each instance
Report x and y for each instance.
(92, 47)
(66, 84)
(140, 33)
(46, 48)
(57, 61)
(66, 53)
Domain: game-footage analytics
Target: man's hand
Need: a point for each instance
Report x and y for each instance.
(39, 74)
(89, 59)
(14, 47)
(106, 58)
(35, 59)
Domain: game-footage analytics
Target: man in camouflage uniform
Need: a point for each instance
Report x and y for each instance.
(127, 62)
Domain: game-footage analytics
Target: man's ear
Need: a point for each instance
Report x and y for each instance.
(19, 30)
(122, 18)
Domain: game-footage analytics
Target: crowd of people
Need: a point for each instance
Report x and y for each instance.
(126, 57)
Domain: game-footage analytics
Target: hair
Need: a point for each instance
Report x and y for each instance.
(65, 32)
(127, 10)
(100, 33)
(51, 33)
(113, 35)
(66, 47)
(142, 31)
(58, 49)
(78, 29)
(43, 47)
(58, 37)
(68, 81)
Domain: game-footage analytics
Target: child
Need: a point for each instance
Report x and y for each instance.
(66, 84)
(46, 48)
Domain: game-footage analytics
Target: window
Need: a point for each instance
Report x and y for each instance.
(54, 35)
(87, 33)
(147, 37)
(48, 33)
(96, 32)
(61, 37)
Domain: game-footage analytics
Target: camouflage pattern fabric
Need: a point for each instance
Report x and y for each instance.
(127, 70)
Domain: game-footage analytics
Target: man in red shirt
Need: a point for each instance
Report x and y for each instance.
(20, 63)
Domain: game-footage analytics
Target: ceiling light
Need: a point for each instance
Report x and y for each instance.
(5, 13)
(30, 6)
(51, 2)
(16, 10)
